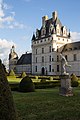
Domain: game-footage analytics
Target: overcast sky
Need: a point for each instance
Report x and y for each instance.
(20, 18)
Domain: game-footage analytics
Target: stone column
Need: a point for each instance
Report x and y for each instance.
(65, 89)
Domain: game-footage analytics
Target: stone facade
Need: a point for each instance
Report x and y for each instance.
(45, 45)
(23, 64)
(13, 58)
(52, 39)
(72, 53)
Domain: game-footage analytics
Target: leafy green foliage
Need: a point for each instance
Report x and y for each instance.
(74, 80)
(74, 77)
(26, 85)
(23, 74)
(47, 84)
(43, 80)
(7, 109)
(11, 73)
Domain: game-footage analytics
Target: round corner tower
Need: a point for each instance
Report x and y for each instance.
(13, 58)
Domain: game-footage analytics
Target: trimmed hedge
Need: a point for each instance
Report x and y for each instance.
(23, 74)
(47, 84)
(26, 85)
(12, 73)
(74, 81)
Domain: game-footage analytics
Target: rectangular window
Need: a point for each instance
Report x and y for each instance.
(42, 50)
(57, 58)
(50, 58)
(49, 48)
(36, 51)
(49, 68)
(42, 58)
(74, 57)
(36, 59)
(35, 68)
(57, 68)
(53, 49)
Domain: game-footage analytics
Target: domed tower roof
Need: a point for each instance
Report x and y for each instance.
(13, 54)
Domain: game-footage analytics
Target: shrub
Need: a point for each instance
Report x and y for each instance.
(7, 107)
(11, 73)
(14, 87)
(74, 83)
(74, 77)
(44, 77)
(23, 74)
(47, 84)
(26, 85)
(74, 80)
(43, 80)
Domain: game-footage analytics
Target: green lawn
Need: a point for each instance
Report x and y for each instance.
(47, 104)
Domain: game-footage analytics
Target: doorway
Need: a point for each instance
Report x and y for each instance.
(43, 71)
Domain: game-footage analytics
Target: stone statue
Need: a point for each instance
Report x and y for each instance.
(64, 64)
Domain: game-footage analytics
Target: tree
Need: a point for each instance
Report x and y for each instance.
(7, 108)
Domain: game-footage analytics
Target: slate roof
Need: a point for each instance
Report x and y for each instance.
(25, 59)
(47, 26)
(71, 46)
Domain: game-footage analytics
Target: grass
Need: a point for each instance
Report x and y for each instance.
(47, 104)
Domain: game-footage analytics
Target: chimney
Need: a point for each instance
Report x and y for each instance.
(44, 18)
(54, 15)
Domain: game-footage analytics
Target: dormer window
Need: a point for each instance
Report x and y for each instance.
(51, 29)
(37, 32)
(64, 32)
(43, 31)
(58, 29)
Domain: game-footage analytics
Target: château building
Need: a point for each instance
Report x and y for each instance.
(47, 44)
(22, 64)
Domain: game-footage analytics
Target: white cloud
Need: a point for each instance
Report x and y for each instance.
(8, 21)
(13, 13)
(75, 36)
(16, 25)
(5, 47)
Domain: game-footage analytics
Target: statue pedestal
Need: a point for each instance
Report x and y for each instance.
(65, 89)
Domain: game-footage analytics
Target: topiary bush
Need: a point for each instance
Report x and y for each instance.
(26, 85)
(11, 73)
(7, 107)
(74, 81)
(23, 74)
